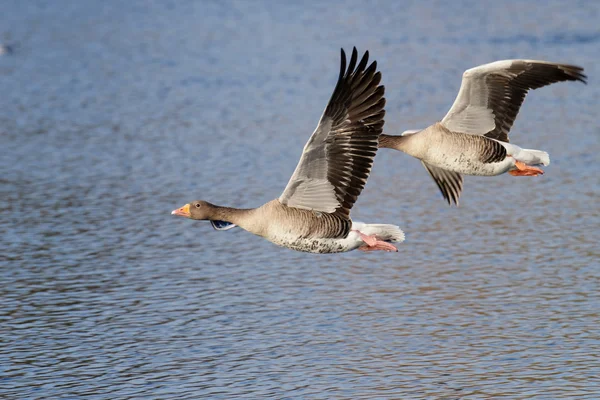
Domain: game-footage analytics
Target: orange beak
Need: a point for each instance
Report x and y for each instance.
(183, 211)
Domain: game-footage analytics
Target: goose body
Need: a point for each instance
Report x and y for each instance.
(464, 153)
(313, 212)
(472, 138)
(318, 232)
(298, 229)
(351, 241)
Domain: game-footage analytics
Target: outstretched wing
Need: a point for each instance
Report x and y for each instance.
(337, 159)
(491, 95)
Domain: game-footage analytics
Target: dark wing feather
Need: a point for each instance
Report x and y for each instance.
(450, 183)
(507, 93)
(338, 157)
(491, 95)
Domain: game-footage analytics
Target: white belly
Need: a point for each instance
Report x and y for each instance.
(471, 165)
(319, 245)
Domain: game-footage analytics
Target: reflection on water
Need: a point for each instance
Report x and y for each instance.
(112, 114)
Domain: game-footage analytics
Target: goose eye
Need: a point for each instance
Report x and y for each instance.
(197, 205)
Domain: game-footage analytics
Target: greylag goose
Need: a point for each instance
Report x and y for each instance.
(472, 139)
(313, 212)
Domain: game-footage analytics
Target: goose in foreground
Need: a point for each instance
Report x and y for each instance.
(313, 212)
(472, 138)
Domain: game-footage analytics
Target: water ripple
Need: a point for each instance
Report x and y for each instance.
(115, 113)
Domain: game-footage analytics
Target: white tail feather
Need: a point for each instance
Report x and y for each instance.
(390, 233)
(534, 157)
(527, 156)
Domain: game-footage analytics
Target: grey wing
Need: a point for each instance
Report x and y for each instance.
(450, 183)
(338, 157)
(491, 95)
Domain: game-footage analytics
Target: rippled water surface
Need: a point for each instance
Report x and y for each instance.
(114, 113)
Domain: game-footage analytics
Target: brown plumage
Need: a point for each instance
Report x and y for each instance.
(508, 91)
(473, 136)
(313, 212)
(343, 146)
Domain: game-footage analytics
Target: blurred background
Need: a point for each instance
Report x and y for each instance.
(114, 113)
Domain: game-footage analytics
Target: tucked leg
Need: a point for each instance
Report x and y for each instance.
(373, 244)
(525, 170)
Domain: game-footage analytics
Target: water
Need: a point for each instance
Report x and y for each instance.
(114, 113)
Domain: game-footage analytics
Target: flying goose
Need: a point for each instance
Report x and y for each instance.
(472, 138)
(313, 212)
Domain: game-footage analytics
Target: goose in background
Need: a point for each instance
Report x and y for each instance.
(472, 139)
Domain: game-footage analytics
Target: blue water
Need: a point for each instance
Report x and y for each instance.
(114, 113)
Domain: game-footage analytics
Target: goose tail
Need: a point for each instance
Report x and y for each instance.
(534, 157)
(527, 156)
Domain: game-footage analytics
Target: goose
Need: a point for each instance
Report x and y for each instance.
(472, 139)
(313, 212)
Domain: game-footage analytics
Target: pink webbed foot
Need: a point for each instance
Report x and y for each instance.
(525, 170)
(374, 244)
